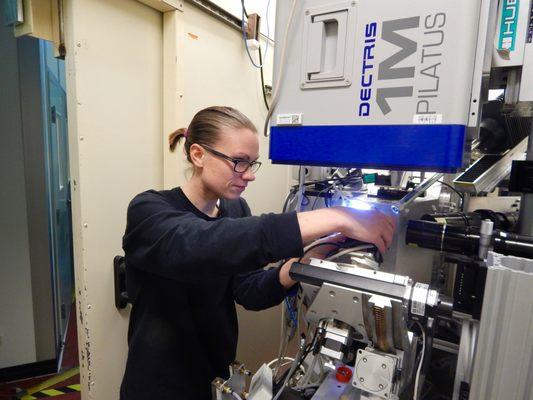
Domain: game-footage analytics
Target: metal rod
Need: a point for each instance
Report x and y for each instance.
(416, 192)
(525, 219)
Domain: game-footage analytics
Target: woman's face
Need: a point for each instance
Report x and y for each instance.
(218, 175)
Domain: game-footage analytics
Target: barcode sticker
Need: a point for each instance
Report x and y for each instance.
(427, 119)
(289, 119)
(418, 301)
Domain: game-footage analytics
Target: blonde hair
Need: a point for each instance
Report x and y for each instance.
(206, 127)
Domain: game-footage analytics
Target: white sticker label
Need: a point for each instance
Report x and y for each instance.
(427, 119)
(418, 301)
(289, 119)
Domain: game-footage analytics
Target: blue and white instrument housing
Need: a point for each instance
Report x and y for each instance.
(376, 83)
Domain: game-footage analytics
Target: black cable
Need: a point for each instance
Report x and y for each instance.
(456, 191)
(244, 8)
(326, 190)
(346, 179)
(262, 78)
(289, 199)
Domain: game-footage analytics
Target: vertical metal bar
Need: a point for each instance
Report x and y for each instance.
(526, 204)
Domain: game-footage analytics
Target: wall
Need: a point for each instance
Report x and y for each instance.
(114, 95)
(17, 345)
(213, 68)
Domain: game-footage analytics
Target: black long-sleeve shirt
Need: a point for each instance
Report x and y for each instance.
(184, 272)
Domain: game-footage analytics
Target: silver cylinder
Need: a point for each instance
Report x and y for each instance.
(485, 236)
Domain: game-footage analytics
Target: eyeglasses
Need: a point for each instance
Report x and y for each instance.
(239, 165)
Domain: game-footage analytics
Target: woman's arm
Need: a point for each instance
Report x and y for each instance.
(179, 245)
(258, 290)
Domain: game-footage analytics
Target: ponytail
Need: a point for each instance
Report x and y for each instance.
(175, 137)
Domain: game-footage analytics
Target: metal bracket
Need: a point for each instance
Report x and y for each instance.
(119, 274)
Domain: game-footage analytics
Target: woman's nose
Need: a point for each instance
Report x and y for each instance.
(248, 175)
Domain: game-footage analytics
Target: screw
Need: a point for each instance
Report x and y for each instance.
(332, 293)
(347, 81)
(356, 299)
(365, 360)
(381, 386)
(306, 12)
(384, 366)
(334, 312)
(361, 379)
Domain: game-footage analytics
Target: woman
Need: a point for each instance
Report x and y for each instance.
(192, 252)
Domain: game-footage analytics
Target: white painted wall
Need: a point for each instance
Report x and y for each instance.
(17, 341)
(114, 94)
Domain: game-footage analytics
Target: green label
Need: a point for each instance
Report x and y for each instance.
(508, 25)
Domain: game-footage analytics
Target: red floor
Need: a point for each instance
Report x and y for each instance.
(70, 360)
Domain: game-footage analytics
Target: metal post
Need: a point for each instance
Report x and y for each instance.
(526, 204)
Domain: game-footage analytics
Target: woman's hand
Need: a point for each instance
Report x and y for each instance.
(369, 226)
(319, 252)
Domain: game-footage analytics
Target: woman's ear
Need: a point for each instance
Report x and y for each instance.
(196, 152)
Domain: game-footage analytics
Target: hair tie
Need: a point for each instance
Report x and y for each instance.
(185, 133)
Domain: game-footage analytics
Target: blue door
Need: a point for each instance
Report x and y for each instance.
(58, 192)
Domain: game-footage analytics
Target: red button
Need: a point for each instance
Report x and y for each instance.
(344, 374)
